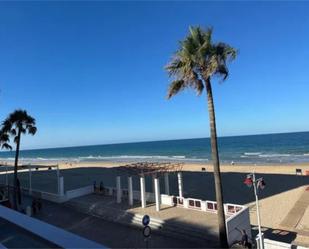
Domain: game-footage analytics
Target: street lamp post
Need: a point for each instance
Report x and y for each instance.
(257, 183)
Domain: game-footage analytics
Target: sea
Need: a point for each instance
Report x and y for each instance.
(284, 148)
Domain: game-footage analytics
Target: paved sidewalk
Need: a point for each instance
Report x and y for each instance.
(296, 213)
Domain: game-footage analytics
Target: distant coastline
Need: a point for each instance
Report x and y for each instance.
(281, 148)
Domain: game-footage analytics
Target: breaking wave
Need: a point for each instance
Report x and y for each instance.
(108, 158)
(252, 153)
(275, 155)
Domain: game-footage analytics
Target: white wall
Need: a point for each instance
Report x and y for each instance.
(272, 244)
(167, 200)
(53, 197)
(61, 198)
(79, 192)
(240, 220)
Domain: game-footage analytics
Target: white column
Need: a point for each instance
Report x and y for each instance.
(260, 235)
(180, 185)
(143, 191)
(167, 185)
(6, 175)
(130, 191)
(157, 193)
(118, 186)
(153, 183)
(61, 186)
(30, 181)
(58, 180)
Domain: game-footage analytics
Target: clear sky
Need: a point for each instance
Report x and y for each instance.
(93, 72)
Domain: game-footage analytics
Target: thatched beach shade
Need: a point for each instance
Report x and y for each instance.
(155, 169)
(151, 168)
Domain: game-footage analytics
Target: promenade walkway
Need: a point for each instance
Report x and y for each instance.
(111, 234)
(295, 215)
(201, 227)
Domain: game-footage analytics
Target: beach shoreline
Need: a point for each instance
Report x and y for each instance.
(272, 168)
(241, 168)
(289, 169)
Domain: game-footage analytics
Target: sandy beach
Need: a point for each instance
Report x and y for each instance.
(288, 169)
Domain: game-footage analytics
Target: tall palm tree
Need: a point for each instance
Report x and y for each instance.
(196, 61)
(16, 124)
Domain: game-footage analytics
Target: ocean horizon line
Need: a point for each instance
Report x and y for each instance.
(258, 148)
(152, 141)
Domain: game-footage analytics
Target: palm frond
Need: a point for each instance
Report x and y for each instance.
(13, 132)
(4, 137)
(174, 67)
(225, 51)
(6, 146)
(223, 71)
(175, 87)
(199, 87)
(32, 130)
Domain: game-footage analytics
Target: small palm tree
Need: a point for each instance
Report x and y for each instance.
(197, 60)
(16, 124)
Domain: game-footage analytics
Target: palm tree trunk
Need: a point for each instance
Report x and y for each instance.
(15, 169)
(216, 164)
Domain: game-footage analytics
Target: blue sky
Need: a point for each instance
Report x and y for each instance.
(93, 72)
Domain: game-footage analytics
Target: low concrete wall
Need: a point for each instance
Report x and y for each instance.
(167, 200)
(53, 197)
(238, 221)
(60, 198)
(79, 192)
(46, 231)
(272, 244)
(44, 195)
